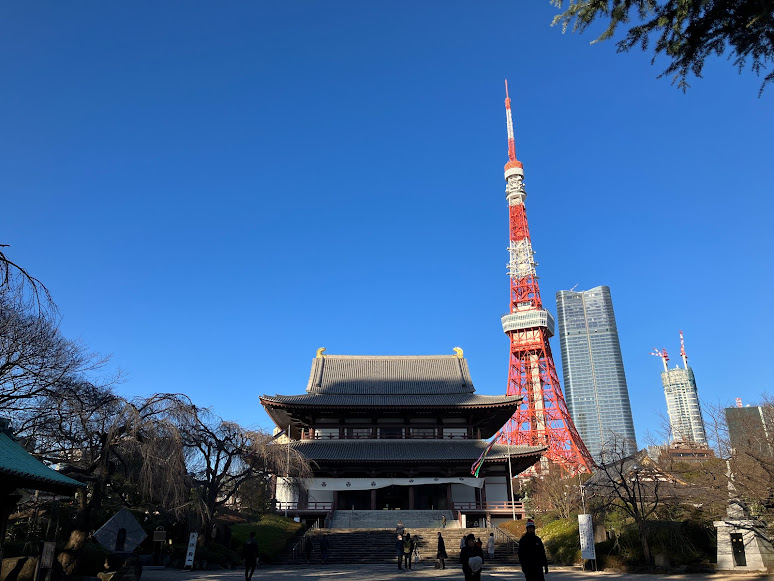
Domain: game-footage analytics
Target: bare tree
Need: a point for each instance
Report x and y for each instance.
(553, 491)
(35, 358)
(635, 484)
(223, 457)
(14, 275)
(122, 451)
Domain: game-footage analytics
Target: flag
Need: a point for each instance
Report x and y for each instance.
(476, 467)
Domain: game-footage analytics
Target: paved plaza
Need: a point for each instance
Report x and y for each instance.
(391, 573)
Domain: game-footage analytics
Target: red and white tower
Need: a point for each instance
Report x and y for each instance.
(543, 418)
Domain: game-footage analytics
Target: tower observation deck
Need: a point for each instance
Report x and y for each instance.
(543, 417)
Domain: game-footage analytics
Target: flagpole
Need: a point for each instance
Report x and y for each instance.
(287, 473)
(510, 478)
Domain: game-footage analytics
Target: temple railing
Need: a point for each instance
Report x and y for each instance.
(308, 435)
(502, 506)
(296, 506)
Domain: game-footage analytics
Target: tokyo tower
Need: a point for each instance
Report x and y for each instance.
(543, 418)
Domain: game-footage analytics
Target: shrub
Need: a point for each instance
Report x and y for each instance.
(562, 541)
(91, 559)
(272, 532)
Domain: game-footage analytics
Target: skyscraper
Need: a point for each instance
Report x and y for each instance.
(682, 398)
(594, 378)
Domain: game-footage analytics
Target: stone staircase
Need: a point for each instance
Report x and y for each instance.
(353, 546)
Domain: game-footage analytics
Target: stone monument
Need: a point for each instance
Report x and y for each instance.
(743, 545)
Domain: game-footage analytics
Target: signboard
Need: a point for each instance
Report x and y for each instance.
(189, 555)
(586, 529)
(47, 556)
(121, 533)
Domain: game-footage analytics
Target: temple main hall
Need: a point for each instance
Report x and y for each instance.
(386, 433)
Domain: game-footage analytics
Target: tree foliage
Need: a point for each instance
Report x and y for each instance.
(684, 31)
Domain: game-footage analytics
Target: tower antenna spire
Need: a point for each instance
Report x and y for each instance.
(682, 350)
(509, 124)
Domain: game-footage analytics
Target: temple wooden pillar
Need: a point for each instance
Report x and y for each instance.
(411, 498)
(373, 499)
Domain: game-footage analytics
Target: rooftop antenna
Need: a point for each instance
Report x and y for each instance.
(682, 350)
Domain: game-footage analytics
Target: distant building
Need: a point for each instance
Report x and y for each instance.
(681, 452)
(749, 428)
(594, 378)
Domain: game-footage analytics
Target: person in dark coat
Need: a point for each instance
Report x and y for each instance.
(399, 550)
(532, 554)
(472, 559)
(440, 554)
(250, 553)
(325, 545)
(308, 547)
(408, 549)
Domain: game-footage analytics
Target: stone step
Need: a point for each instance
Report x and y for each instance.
(378, 546)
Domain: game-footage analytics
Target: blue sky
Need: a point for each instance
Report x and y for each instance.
(214, 190)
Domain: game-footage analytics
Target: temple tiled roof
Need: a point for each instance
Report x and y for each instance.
(407, 450)
(22, 470)
(379, 400)
(389, 375)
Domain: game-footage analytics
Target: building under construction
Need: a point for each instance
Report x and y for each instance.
(685, 419)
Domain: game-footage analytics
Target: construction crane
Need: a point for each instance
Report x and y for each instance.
(663, 355)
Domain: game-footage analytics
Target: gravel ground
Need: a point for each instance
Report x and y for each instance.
(388, 573)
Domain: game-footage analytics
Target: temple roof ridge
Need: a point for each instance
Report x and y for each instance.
(390, 374)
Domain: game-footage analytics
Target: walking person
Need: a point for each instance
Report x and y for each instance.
(440, 554)
(408, 549)
(462, 542)
(532, 554)
(443, 521)
(490, 546)
(399, 529)
(472, 559)
(325, 546)
(399, 550)
(250, 553)
(308, 547)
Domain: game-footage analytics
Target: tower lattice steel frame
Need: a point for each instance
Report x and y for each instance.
(543, 418)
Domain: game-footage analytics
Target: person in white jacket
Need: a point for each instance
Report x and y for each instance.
(490, 546)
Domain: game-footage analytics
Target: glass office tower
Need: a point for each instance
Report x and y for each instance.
(594, 379)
